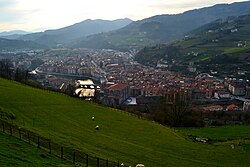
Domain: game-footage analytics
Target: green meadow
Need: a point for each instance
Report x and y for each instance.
(122, 137)
(14, 152)
(230, 132)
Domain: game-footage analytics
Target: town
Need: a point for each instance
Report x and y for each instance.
(124, 83)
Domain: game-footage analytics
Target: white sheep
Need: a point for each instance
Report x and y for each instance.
(97, 127)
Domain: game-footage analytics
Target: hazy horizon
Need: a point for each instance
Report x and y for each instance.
(34, 16)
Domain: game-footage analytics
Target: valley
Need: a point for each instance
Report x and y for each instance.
(155, 91)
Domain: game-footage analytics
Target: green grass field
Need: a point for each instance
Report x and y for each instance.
(121, 137)
(231, 132)
(236, 50)
(14, 152)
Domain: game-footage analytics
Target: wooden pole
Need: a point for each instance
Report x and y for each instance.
(19, 131)
(10, 130)
(29, 137)
(49, 148)
(98, 162)
(107, 163)
(61, 152)
(74, 158)
(38, 142)
(87, 160)
(3, 127)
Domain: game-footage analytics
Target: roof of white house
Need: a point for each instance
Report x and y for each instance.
(85, 82)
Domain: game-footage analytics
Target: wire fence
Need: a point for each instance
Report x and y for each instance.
(75, 156)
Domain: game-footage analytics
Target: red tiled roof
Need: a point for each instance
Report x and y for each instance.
(223, 92)
(219, 84)
(118, 86)
(213, 108)
(237, 86)
(232, 107)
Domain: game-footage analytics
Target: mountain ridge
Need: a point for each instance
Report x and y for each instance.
(162, 28)
(6, 33)
(81, 29)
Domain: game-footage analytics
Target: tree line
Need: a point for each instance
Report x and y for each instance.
(9, 72)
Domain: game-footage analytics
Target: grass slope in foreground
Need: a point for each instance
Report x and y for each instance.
(122, 137)
(14, 152)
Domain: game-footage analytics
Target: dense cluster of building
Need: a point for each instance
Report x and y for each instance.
(135, 80)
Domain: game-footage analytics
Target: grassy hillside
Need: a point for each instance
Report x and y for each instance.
(220, 132)
(219, 42)
(14, 152)
(122, 137)
(8, 44)
(237, 134)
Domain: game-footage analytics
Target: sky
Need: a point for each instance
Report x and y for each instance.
(39, 15)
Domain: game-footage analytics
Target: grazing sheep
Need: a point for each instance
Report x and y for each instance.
(97, 127)
(93, 118)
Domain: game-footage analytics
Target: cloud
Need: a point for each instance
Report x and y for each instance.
(5, 9)
(40, 14)
(174, 7)
(6, 3)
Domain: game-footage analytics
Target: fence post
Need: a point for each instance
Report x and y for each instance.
(49, 148)
(61, 152)
(74, 157)
(87, 160)
(29, 137)
(10, 130)
(3, 127)
(98, 162)
(19, 131)
(38, 142)
(107, 163)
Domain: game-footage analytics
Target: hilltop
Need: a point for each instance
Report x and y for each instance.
(124, 137)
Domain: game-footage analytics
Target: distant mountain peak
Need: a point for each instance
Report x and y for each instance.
(163, 28)
(20, 32)
(82, 29)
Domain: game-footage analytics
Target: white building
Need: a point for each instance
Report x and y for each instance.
(85, 88)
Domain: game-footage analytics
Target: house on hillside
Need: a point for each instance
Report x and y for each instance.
(201, 93)
(236, 89)
(247, 95)
(219, 86)
(85, 88)
(246, 106)
(213, 108)
(116, 94)
(233, 107)
(221, 95)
